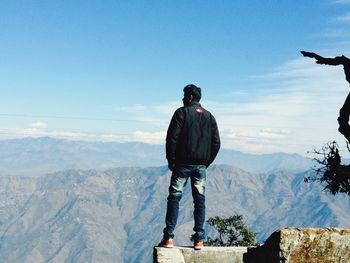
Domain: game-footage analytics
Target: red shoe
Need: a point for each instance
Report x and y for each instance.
(198, 245)
(168, 243)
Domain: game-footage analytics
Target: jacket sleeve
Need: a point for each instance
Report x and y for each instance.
(173, 134)
(215, 140)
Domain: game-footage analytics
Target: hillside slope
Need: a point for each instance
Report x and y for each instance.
(118, 214)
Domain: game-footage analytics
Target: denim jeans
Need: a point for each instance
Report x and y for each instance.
(179, 178)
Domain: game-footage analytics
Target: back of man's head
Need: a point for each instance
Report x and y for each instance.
(193, 90)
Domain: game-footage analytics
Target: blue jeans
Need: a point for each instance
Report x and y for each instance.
(179, 179)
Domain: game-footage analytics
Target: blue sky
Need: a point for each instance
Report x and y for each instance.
(114, 70)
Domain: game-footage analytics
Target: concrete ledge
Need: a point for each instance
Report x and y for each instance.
(207, 255)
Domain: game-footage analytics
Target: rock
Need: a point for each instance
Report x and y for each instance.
(303, 245)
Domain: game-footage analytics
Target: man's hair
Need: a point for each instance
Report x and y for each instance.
(193, 90)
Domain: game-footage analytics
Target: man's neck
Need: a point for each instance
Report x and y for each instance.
(192, 103)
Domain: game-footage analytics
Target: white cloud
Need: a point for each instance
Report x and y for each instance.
(167, 109)
(39, 125)
(302, 69)
(8, 133)
(344, 18)
(274, 134)
(298, 112)
(143, 136)
(294, 110)
(150, 137)
(252, 140)
(341, 1)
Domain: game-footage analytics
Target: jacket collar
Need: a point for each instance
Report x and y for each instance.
(193, 103)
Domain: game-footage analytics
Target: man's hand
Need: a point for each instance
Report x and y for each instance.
(171, 166)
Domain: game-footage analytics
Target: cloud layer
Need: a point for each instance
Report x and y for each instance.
(294, 108)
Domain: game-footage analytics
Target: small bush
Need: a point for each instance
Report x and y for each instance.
(231, 231)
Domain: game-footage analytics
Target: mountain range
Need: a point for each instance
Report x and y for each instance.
(38, 156)
(78, 201)
(117, 215)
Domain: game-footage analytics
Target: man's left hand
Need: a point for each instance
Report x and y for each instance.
(171, 166)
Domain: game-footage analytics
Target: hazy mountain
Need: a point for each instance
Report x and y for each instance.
(263, 163)
(117, 215)
(38, 156)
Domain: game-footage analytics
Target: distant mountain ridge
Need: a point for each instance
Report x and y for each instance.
(38, 156)
(117, 215)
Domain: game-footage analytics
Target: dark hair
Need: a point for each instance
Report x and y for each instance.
(193, 90)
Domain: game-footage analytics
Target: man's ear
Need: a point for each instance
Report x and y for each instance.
(191, 98)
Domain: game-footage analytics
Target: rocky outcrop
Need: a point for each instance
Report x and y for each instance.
(303, 245)
(289, 245)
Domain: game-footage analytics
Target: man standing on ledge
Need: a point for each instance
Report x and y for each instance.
(192, 144)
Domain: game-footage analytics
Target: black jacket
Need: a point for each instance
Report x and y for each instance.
(192, 137)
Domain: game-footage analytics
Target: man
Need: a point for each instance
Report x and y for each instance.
(344, 112)
(192, 144)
